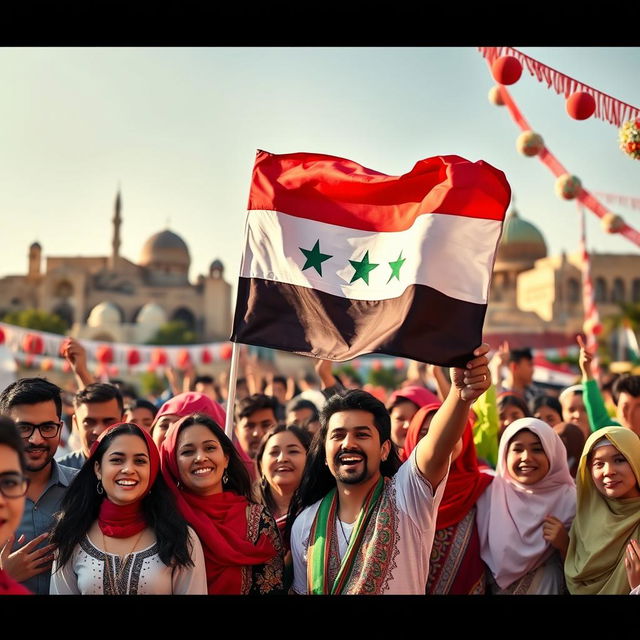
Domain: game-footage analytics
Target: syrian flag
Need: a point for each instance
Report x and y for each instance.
(341, 260)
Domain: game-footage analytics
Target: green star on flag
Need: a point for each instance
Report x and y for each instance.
(395, 267)
(314, 257)
(362, 268)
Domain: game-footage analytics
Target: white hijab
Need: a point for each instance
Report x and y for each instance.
(510, 514)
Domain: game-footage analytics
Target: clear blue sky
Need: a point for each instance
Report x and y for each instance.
(179, 127)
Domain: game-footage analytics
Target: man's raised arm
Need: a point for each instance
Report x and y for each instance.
(447, 426)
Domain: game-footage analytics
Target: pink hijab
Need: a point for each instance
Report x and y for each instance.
(420, 396)
(190, 402)
(510, 515)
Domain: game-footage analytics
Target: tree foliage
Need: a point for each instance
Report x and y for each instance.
(174, 332)
(36, 319)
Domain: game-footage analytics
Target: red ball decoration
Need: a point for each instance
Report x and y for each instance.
(206, 357)
(612, 223)
(133, 357)
(581, 105)
(399, 364)
(158, 357)
(568, 187)
(225, 351)
(33, 343)
(183, 359)
(113, 371)
(46, 364)
(506, 70)
(104, 354)
(2, 336)
(376, 365)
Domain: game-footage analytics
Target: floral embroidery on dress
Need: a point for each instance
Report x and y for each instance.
(265, 578)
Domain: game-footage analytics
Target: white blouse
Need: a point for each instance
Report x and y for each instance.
(91, 571)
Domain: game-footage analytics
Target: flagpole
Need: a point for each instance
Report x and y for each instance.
(231, 395)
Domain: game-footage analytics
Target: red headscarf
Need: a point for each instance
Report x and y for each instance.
(9, 587)
(220, 521)
(420, 396)
(186, 404)
(465, 483)
(124, 521)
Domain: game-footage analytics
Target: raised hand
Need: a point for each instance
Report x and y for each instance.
(27, 561)
(472, 381)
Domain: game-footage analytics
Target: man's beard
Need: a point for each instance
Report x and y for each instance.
(349, 478)
(34, 467)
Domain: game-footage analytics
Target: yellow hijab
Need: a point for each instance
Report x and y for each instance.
(603, 526)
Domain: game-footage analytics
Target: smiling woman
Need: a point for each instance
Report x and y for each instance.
(242, 548)
(119, 531)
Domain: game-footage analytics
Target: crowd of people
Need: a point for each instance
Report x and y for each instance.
(466, 481)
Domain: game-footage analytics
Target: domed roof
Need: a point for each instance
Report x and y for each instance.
(216, 264)
(521, 243)
(35, 245)
(166, 248)
(152, 315)
(103, 314)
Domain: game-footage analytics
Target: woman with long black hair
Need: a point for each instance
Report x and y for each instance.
(119, 531)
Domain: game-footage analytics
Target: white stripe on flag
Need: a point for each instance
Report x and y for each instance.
(452, 254)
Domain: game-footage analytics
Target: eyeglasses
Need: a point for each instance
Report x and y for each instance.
(14, 485)
(46, 429)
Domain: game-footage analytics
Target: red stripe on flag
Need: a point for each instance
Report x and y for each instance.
(341, 192)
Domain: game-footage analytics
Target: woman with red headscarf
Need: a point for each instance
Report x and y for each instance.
(119, 531)
(242, 547)
(186, 404)
(455, 566)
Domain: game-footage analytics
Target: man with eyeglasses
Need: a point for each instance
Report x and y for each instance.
(36, 407)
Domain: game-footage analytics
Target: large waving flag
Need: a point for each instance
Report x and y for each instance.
(341, 260)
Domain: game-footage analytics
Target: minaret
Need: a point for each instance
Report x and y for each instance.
(117, 221)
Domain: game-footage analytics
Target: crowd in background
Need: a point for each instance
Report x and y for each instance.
(106, 492)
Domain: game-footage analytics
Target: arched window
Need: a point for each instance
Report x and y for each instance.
(601, 290)
(185, 315)
(617, 293)
(64, 289)
(573, 290)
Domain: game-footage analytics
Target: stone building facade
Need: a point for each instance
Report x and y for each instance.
(113, 299)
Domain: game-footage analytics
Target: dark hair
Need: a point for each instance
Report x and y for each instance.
(401, 400)
(301, 403)
(263, 488)
(98, 392)
(626, 384)
(257, 401)
(515, 355)
(239, 480)
(30, 391)
(81, 505)
(139, 403)
(280, 379)
(10, 437)
(547, 401)
(317, 479)
(203, 379)
(512, 400)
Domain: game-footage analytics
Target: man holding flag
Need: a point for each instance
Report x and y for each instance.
(339, 261)
(365, 523)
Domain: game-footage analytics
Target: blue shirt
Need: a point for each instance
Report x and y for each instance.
(73, 460)
(38, 519)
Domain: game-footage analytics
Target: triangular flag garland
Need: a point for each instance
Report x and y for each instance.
(605, 107)
(568, 186)
(33, 347)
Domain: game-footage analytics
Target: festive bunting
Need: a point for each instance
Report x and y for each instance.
(606, 107)
(554, 165)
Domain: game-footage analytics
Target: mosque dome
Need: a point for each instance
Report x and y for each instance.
(151, 315)
(521, 244)
(103, 314)
(165, 249)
